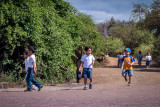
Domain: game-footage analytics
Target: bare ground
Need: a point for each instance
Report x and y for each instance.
(109, 90)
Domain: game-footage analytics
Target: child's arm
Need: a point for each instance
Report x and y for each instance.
(34, 68)
(132, 62)
(80, 67)
(122, 59)
(93, 62)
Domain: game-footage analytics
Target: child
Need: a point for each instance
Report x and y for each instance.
(88, 61)
(32, 71)
(106, 55)
(148, 60)
(119, 58)
(26, 66)
(124, 54)
(139, 58)
(127, 68)
(26, 60)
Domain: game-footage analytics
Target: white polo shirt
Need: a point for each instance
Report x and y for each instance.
(26, 64)
(32, 59)
(148, 58)
(87, 60)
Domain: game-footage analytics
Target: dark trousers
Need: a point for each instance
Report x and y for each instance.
(30, 78)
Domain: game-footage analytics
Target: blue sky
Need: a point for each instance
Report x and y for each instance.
(102, 10)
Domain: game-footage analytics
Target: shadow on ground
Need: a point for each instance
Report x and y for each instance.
(149, 70)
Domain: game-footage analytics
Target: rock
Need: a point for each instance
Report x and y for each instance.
(4, 85)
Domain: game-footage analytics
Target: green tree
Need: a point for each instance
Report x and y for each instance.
(148, 17)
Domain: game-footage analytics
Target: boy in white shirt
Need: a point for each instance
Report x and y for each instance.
(26, 60)
(32, 71)
(88, 61)
(26, 56)
(148, 60)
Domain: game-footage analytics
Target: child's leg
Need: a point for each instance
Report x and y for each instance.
(149, 64)
(130, 74)
(37, 84)
(85, 81)
(84, 75)
(130, 79)
(28, 79)
(124, 74)
(90, 80)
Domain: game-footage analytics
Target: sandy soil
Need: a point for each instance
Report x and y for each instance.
(109, 90)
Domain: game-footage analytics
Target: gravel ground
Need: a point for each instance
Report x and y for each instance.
(109, 90)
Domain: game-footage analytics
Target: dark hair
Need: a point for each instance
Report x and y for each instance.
(31, 48)
(140, 52)
(86, 48)
(26, 52)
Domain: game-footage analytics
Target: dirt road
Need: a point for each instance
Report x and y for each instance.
(109, 90)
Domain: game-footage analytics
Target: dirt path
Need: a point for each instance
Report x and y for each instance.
(110, 90)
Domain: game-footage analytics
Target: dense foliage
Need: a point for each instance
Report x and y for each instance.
(128, 35)
(53, 27)
(148, 17)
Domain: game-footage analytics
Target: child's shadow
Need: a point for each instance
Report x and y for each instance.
(12, 91)
(68, 89)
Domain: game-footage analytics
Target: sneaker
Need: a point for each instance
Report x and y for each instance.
(39, 89)
(34, 87)
(125, 78)
(85, 88)
(90, 86)
(27, 90)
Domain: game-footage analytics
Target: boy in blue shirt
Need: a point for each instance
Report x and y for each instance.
(139, 58)
(128, 62)
(88, 62)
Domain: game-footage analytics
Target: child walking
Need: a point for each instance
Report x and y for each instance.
(148, 60)
(124, 54)
(120, 56)
(128, 62)
(139, 58)
(26, 56)
(32, 71)
(88, 61)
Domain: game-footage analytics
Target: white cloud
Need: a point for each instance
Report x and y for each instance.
(101, 16)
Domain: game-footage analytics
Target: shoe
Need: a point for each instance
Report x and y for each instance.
(34, 87)
(129, 83)
(39, 89)
(27, 90)
(125, 78)
(85, 88)
(90, 86)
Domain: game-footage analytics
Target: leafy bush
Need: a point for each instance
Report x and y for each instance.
(131, 36)
(144, 49)
(114, 45)
(156, 49)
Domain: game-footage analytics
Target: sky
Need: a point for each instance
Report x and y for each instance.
(102, 10)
